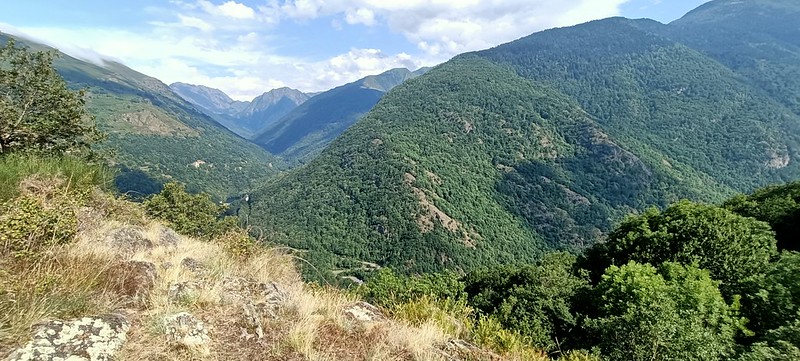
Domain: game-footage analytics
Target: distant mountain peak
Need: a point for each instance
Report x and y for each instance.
(208, 98)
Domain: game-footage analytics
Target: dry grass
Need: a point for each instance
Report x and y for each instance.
(82, 279)
(58, 285)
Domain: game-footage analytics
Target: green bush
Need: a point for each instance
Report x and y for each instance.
(28, 226)
(387, 289)
(534, 300)
(191, 214)
(670, 313)
(731, 247)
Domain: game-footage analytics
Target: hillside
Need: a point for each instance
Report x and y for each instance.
(764, 48)
(246, 119)
(305, 131)
(87, 276)
(541, 143)
(157, 136)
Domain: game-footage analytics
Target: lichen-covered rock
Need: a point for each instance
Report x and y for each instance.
(136, 279)
(364, 312)
(460, 350)
(89, 338)
(185, 330)
(238, 288)
(192, 264)
(169, 237)
(128, 240)
(182, 291)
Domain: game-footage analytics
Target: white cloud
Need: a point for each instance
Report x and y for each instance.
(360, 16)
(230, 9)
(444, 28)
(229, 45)
(193, 22)
(241, 69)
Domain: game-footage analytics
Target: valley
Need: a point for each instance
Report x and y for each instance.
(608, 189)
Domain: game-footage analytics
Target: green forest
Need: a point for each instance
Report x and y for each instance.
(544, 143)
(691, 282)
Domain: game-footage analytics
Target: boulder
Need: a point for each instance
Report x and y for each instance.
(96, 338)
(128, 240)
(185, 330)
(364, 312)
(169, 237)
(136, 279)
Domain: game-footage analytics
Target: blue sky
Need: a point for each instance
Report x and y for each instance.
(246, 47)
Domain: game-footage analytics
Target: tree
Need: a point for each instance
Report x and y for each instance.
(731, 247)
(781, 344)
(774, 299)
(190, 214)
(534, 300)
(777, 205)
(670, 313)
(37, 110)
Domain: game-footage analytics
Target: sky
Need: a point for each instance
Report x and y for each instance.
(247, 47)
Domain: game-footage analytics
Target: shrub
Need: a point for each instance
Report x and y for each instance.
(28, 226)
(387, 289)
(190, 214)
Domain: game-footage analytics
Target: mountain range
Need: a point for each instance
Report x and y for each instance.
(306, 130)
(157, 136)
(291, 124)
(546, 142)
(246, 119)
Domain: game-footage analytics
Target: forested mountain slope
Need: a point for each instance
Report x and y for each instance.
(307, 129)
(661, 97)
(541, 143)
(158, 136)
(758, 39)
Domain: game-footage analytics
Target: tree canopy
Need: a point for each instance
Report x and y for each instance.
(38, 112)
(732, 247)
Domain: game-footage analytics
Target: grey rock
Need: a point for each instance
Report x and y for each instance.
(252, 318)
(238, 288)
(192, 264)
(169, 237)
(460, 350)
(129, 240)
(137, 280)
(90, 338)
(182, 291)
(185, 330)
(364, 312)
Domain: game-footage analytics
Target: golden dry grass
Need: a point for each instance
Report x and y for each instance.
(81, 279)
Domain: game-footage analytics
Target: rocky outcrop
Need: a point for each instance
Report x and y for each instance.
(128, 240)
(90, 338)
(136, 280)
(364, 312)
(185, 330)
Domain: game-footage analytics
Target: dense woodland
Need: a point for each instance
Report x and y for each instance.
(691, 282)
(543, 143)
